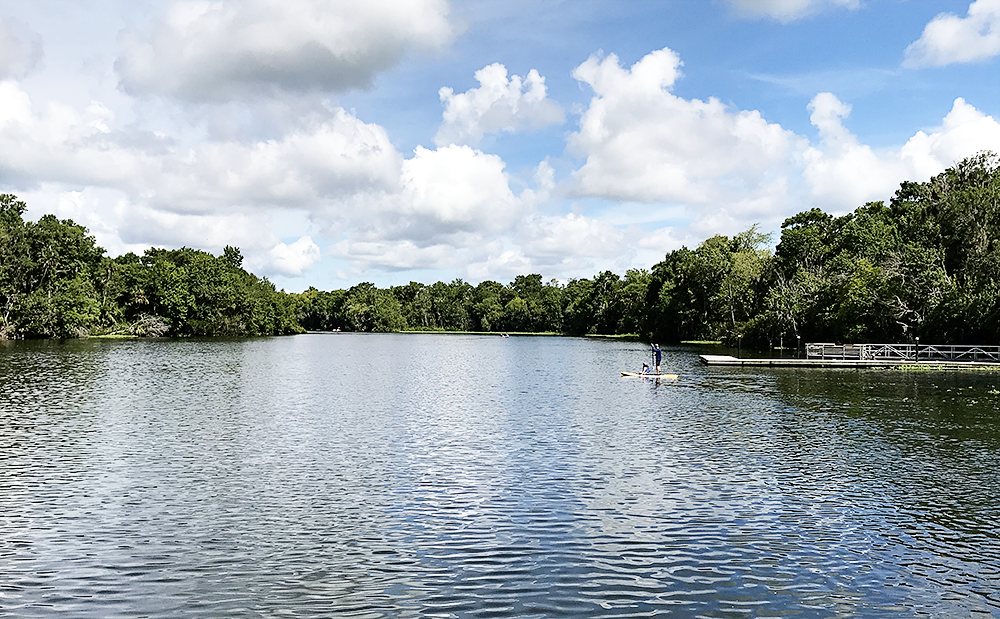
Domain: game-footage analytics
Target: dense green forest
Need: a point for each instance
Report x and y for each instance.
(926, 264)
(56, 283)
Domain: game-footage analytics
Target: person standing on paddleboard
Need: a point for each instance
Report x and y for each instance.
(657, 354)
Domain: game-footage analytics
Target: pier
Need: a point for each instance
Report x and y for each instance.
(875, 356)
(840, 363)
(904, 352)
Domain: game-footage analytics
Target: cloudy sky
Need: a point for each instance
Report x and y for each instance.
(337, 141)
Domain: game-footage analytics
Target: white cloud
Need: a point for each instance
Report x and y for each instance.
(141, 224)
(337, 156)
(455, 189)
(728, 169)
(657, 170)
(663, 240)
(344, 174)
(202, 50)
(20, 50)
(950, 39)
(456, 208)
(499, 104)
(59, 142)
(548, 240)
(571, 245)
(963, 132)
(452, 201)
(121, 226)
(788, 10)
(841, 173)
(295, 258)
(134, 191)
(500, 264)
(644, 144)
(394, 255)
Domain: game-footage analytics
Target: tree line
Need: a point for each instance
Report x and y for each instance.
(55, 282)
(927, 264)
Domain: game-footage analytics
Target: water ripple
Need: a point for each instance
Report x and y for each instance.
(301, 477)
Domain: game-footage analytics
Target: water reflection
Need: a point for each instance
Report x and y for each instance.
(414, 475)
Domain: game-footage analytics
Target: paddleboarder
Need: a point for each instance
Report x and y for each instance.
(657, 355)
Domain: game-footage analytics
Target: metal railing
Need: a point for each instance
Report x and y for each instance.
(903, 352)
(834, 351)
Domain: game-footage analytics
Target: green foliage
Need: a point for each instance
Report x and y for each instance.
(713, 292)
(488, 302)
(927, 264)
(631, 299)
(319, 311)
(48, 275)
(366, 308)
(192, 292)
(56, 283)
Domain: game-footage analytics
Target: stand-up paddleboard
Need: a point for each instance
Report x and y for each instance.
(649, 375)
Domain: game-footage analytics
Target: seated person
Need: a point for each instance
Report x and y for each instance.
(645, 369)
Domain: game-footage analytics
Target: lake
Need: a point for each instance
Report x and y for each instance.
(419, 475)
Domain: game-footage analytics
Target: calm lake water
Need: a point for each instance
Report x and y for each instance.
(412, 475)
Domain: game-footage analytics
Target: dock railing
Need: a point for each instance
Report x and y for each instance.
(834, 351)
(904, 352)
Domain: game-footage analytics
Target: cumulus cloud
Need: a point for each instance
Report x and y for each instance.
(727, 169)
(548, 240)
(121, 226)
(456, 208)
(20, 50)
(788, 10)
(950, 39)
(334, 158)
(58, 142)
(451, 204)
(343, 173)
(454, 189)
(337, 156)
(663, 170)
(202, 50)
(295, 258)
(499, 104)
(841, 173)
(141, 224)
(963, 132)
(573, 245)
(394, 255)
(663, 240)
(208, 195)
(644, 144)
(500, 264)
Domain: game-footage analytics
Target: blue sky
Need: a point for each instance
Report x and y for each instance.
(399, 140)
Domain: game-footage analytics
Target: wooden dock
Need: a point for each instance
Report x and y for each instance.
(726, 360)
